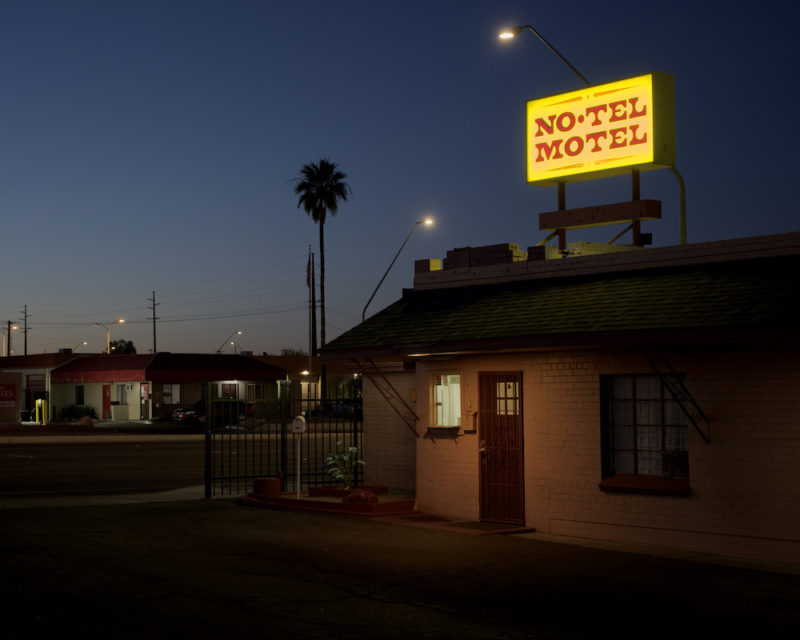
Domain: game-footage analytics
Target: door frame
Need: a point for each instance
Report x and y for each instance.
(501, 450)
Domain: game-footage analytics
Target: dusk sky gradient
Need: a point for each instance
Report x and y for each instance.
(151, 146)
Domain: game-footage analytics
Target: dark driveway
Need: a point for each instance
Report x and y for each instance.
(219, 569)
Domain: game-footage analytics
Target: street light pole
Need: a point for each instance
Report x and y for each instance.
(7, 338)
(227, 340)
(108, 332)
(510, 33)
(427, 222)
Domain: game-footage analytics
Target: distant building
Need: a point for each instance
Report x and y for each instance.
(152, 386)
(644, 396)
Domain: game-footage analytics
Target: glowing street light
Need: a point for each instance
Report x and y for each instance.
(227, 340)
(508, 34)
(82, 343)
(108, 332)
(427, 222)
(7, 336)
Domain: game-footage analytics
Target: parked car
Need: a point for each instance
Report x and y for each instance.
(185, 414)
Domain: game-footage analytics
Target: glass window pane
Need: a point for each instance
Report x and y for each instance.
(623, 462)
(673, 414)
(622, 412)
(623, 437)
(648, 412)
(676, 439)
(648, 387)
(645, 417)
(622, 387)
(648, 438)
(448, 401)
(649, 464)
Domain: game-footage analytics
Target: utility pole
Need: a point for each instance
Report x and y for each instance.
(153, 308)
(25, 329)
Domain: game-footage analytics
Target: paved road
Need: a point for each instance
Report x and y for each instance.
(106, 465)
(219, 569)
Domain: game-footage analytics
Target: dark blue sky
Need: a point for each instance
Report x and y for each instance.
(151, 146)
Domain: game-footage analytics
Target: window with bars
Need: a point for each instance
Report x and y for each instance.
(229, 390)
(645, 431)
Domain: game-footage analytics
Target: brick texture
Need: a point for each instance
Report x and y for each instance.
(745, 484)
(388, 443)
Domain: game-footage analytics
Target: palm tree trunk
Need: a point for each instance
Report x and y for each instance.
(323, 385)
(322, 283)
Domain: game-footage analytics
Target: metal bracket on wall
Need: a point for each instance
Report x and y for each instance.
(677, 389)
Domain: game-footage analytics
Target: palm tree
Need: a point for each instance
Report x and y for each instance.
(319, 188)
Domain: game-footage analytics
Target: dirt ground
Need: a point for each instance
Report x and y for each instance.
(213, 569)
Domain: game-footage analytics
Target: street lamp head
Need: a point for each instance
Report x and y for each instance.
(428, 221)
(508, 34)
(121, 321)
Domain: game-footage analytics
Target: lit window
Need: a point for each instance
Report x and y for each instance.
(507, 398)
(447, 400)
(644, 431)
(230, 390)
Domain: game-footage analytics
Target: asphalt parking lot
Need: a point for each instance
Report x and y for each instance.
(212, 569)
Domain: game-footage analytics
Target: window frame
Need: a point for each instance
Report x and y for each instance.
(174, 390)
(434, 403)
(613, 480)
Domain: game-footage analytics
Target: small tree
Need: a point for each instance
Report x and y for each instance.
(122, 346)
(290, 351)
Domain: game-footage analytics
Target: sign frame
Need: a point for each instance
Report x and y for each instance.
(601, 130)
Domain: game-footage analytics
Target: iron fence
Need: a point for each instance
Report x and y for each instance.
(250, 440)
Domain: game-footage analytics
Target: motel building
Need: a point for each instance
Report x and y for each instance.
(645, 396)
(612, 392)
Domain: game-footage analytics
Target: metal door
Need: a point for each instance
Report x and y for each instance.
(502, 494)
(106, 401)
(144, 392)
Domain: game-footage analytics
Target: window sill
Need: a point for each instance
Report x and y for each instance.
(443, 432)
(647, 485)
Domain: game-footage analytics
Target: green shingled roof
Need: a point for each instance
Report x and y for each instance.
(746, 295)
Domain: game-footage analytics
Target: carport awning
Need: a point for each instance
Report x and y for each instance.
(165, 367)
(122, 368)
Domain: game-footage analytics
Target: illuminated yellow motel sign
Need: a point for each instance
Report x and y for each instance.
(602, 130)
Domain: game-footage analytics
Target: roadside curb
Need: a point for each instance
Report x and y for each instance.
(62, 438)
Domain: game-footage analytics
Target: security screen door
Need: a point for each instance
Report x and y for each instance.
(501, 448)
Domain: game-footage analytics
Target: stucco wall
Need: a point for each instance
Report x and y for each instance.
(745, 484)
(11, 397)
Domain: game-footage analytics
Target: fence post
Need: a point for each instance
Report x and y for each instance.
(284, 406)
(209, 422)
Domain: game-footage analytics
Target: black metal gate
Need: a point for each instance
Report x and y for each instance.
(249, 440)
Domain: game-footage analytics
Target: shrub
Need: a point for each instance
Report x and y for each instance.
(76, 412)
